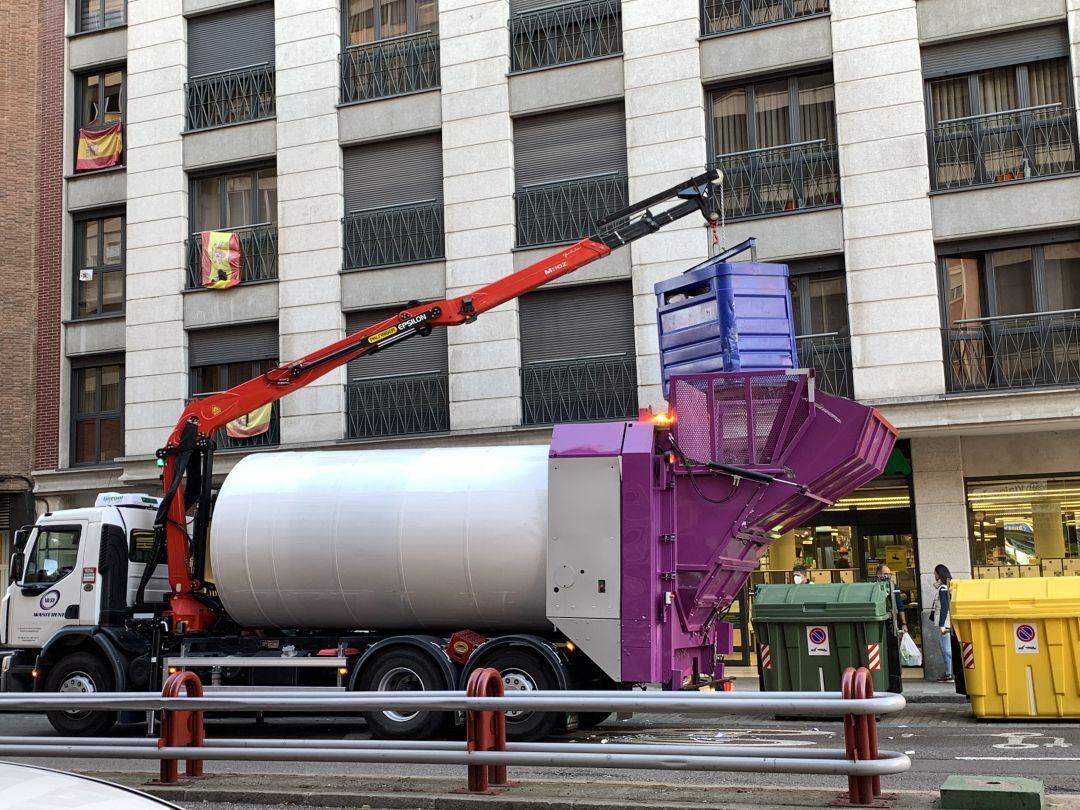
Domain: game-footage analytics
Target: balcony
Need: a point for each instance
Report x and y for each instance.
(398, 234)
(589, 389)
(258, 255)
(981, 150)
(397, 406)
(722, 16)
(390, 67)
(271, 438)
(564, 34)
(796, 177)
(1014, 352)
(567, 210)
(232, 97)
(829, 354)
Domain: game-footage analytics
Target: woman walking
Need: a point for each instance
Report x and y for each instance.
(940, 613)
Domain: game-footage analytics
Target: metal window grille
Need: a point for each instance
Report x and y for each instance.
(397, 234)
(1015, 351)
(560, 35)
(258, 255)
(588, 389)
(829, 355)
(271, 438)
(397, 406)
(230, 97)
(390, 67)
(720, 16)
(564, 211)
(782, 178)
(999, 147)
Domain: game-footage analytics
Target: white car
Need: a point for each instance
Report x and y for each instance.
(28, 787)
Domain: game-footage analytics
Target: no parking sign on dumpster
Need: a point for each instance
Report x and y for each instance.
(817, 640)
(1025, 638)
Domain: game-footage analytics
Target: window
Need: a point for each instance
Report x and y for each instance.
(101, 99)
(1000, 90)
(97, 404)
(372, 20)
(55, 555)
(223, 376)
(237, 200)
(1024, 521)
(819, 306)
(94, 15)
(99, 266)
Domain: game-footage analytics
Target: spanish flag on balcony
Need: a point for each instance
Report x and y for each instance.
(220, 259)
(100, 148)
(253, 424)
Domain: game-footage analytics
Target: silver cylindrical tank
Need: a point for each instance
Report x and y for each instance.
(438, 539)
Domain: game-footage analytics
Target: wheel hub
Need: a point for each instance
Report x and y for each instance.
(400, 679)
(77, 683)
(514, 680)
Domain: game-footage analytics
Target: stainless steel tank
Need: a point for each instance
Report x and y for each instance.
(437, 539)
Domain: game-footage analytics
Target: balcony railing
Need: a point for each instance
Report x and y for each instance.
(980, 150)
(1014, 351)
(589, 389)
(231, 97)
(829, 354)
(720, 16)
(397, 234)
(564, 211)
(781, 178)
(258, 255)
(398, 406)
(271, 438)
(390, 67)
(563, 34)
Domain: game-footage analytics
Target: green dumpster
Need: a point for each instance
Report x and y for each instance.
(807, 635)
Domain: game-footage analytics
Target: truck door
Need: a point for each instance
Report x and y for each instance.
(49, 594)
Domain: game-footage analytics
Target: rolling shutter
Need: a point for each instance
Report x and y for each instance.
(408, 170)
(983, 53)
(576, 322)
(233, 344)
(416, 355)
(571, 144)
(5, 513)
(231, 40)
(521, 6)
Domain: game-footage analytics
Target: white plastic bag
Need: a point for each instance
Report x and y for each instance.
(910, 655)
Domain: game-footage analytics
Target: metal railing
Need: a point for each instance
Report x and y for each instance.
(231, 97)
(485, 750)
(397, 406)
(980, 150)
(829, 354)
(396, 234)
(795, 177)
(271, 438)
(721, 16)
(390, 67)
(580, 390)
(258, 254)
(1014, 351)
(566, 210)
(563, 34)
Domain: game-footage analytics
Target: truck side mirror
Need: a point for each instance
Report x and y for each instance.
(21, 536)
(18, 561)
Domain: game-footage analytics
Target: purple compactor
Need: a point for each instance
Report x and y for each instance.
(654, 526)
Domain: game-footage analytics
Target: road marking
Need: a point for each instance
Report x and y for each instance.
(1019, 740)
(1019, 759)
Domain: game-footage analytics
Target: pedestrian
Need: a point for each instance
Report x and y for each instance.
(939, 614)
(799, 575)
(886, 575)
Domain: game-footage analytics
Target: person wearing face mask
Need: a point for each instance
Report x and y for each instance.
(799, 575)
(939, 615)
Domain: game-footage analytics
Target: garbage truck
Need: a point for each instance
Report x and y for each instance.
(607, 558)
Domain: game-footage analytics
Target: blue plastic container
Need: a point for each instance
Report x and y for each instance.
(725, 316)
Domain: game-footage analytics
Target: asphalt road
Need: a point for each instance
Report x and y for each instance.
(941, 739)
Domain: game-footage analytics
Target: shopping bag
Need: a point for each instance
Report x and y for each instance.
(910, 655)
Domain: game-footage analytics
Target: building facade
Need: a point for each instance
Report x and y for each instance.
(914, 161)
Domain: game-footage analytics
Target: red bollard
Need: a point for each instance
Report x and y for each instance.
(485, 730)
(181, 727)
(860, 736)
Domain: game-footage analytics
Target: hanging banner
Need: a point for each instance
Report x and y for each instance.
(250, 425)
(220, 259)
(99, 148)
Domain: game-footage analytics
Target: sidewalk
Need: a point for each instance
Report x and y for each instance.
(916, 690)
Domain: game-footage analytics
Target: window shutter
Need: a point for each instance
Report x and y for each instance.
(231, 40)
(983, 53)
(415, 355)
(233, 344)
(568, 323)
(521, 6)
(408, 170)
(567, 145)
(5, 515)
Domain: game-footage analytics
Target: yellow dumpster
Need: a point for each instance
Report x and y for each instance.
(1019, 645)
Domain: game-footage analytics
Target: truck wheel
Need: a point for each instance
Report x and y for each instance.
(524, 672)
(80, 673)
(404, 670)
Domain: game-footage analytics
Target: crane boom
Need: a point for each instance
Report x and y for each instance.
(188, 454)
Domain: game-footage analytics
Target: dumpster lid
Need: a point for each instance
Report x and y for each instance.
(1026, 598)
(848, 601)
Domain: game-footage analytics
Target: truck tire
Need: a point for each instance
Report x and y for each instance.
(404, 670)
(589, 720)
(523, 671)
(84, 673)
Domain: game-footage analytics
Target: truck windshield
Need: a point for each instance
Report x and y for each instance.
(54, 557)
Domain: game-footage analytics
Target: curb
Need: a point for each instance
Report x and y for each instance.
(943, 699)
